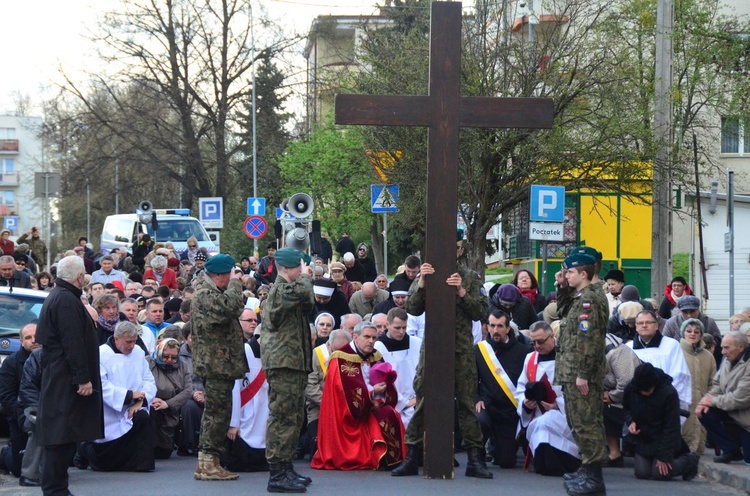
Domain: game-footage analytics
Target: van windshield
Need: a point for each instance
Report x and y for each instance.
(177, 230)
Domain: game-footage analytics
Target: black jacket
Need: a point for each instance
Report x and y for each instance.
(511, 356)
(522, 313)
(357, 273)
(658, 418)
(371, 272)
(31, 382)
(10, 381)
(19, 280)
(70, 358)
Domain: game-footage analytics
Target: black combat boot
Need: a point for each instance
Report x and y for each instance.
(590, 484)
(568, 476)
(476, 466)
(304, 480)
(282, 480)
(409, 466)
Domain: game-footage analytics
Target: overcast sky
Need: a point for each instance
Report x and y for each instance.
(40, 36)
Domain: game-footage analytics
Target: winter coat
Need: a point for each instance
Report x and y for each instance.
(730, 389)
(702, 369)
(70, 358)
(658, 418)
(174, 386)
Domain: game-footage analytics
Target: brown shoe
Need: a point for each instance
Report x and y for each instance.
(209, 469)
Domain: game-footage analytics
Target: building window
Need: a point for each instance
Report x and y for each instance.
(7, 133)
(735, 135)
(7, 166)
(7, 197)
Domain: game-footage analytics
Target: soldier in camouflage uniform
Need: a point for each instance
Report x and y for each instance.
(581, 367)
(471, 305)
(286, 355)
(218, 357)
(37, 245)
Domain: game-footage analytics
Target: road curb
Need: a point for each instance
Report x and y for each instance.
(733, 475)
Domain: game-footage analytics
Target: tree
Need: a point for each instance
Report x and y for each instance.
(272, 138)
(594, 59)
(191, 58)
(332, 168)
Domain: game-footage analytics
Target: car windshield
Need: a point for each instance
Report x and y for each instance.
(177, 230)
(16, 311)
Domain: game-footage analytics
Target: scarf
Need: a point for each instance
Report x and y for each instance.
(158, 353)
(530, 293)
(108, 325)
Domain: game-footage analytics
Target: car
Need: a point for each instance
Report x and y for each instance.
(175, 226)
(18, 307)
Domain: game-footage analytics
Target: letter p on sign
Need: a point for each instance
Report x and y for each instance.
(547, 203)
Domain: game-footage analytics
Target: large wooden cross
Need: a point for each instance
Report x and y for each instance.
(444, 112)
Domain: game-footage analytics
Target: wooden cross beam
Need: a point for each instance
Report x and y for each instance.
(444, 112)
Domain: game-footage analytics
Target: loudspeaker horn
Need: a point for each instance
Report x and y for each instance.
(300, 205)
(297, 238)
(145, 206)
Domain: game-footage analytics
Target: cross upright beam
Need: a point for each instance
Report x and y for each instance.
(444, 112)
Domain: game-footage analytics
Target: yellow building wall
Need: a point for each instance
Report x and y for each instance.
(598, 223)
(635, 229)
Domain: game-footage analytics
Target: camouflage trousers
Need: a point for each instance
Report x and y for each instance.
(586, 421)
(465, 384)
(216, 415)
(286, 405)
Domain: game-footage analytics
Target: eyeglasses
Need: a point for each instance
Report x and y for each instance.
(645, 323)
(539, 342)
(249, 320)
(361, 249)
(693, 331)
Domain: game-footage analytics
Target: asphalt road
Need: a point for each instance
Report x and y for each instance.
(175, 477)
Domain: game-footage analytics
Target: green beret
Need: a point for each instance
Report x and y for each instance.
(220, 264)
(587, 250)
(578, 260)
(290, 258)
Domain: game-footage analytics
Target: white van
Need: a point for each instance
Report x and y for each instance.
(175, 226)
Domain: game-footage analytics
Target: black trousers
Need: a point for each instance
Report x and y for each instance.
(554, 462)
(502, 436)
(18, 440)
(57, 459)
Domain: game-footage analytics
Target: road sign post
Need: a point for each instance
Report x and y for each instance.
(384, 199)
(256, 206)
(547, 214)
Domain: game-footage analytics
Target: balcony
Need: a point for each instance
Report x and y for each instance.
(7, 209)
(8, 146)
(8, 178)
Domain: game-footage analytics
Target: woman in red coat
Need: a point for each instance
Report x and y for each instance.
(6, 244)
(164, 276)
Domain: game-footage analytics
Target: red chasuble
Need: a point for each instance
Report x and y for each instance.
(355, 431)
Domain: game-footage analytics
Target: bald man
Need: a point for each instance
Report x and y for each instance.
(363, 301)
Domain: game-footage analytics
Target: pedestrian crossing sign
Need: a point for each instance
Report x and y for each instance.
(384, 198)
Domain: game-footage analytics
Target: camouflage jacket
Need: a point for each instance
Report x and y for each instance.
(218, 350)
(473, 306)
(285, 338)
(38, 248)
(583, 326)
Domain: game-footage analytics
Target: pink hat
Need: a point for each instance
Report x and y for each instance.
(382, 372)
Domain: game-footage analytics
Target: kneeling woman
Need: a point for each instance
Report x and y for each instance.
(174, 387)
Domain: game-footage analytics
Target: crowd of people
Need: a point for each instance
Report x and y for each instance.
(250, 365)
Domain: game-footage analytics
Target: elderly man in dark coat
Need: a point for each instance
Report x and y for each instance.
(70, 405)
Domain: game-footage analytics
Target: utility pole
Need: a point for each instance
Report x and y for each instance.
(661, 241)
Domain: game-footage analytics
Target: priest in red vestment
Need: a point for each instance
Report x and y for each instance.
(359, 428)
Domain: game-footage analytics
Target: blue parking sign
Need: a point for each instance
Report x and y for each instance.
(11, 223)
(547, 203)
(211, 212)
